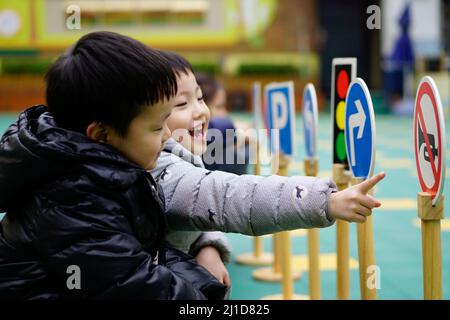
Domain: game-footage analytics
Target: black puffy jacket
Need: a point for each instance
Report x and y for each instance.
(72, 201)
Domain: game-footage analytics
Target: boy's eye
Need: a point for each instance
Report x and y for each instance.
(182, 104)
(200, 99)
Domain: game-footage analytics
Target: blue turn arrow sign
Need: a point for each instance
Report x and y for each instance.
(360, 129)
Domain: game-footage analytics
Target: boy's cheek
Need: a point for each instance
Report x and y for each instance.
(152, 164)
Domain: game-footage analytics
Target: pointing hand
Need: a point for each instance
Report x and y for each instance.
(354, 204)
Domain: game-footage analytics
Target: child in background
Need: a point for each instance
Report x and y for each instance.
(215, 97)
(198, 199)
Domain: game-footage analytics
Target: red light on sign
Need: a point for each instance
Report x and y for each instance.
(342, 84)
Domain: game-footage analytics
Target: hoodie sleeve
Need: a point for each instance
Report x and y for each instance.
(215, 239)
(198, 199)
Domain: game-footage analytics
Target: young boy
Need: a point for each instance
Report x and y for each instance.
(199, 200)
(211, 249)
(84, 219)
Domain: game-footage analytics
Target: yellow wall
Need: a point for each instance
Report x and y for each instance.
(34, 33)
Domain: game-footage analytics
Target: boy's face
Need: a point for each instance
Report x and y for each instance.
(190, 116)
(146, 136)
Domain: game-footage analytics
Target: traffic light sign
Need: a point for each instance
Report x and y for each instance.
(342, 74)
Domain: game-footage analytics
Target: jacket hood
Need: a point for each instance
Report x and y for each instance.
(35, 151)
(174, 147)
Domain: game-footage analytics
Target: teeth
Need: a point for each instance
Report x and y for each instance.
(198, 131)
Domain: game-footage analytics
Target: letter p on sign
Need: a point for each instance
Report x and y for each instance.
(281, 115)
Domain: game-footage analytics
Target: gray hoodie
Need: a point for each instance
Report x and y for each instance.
(201, 200)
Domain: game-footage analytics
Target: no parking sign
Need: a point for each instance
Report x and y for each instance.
(429, 139)
(360, 129)
(281, 116)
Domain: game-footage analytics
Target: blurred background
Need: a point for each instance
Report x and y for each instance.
(396, 42)
(241, 42)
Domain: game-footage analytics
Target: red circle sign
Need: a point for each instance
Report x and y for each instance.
(429, 139)
(342, 84)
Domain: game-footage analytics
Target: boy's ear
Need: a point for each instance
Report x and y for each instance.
(97, 131)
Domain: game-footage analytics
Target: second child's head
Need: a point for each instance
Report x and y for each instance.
(190, 115)
(115, 90)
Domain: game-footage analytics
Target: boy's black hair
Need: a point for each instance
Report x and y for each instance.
(178, 63)
(109, 78)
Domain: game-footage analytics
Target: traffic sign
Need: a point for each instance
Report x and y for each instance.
(256, 105)
(310, 119)
(343, 72)
(360, 129)
(281, 116)
(429, 139)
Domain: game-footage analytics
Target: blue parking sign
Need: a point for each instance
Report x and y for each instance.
(360, 129)
(281, 116)
(310, 116)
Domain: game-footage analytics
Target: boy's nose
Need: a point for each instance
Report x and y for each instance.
(200, 113)
(200, 108)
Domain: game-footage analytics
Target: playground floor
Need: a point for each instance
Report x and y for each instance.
(397, 234)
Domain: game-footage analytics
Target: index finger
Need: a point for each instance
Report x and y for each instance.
(368, 184)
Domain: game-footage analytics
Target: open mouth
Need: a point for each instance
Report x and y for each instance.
(198, 132)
